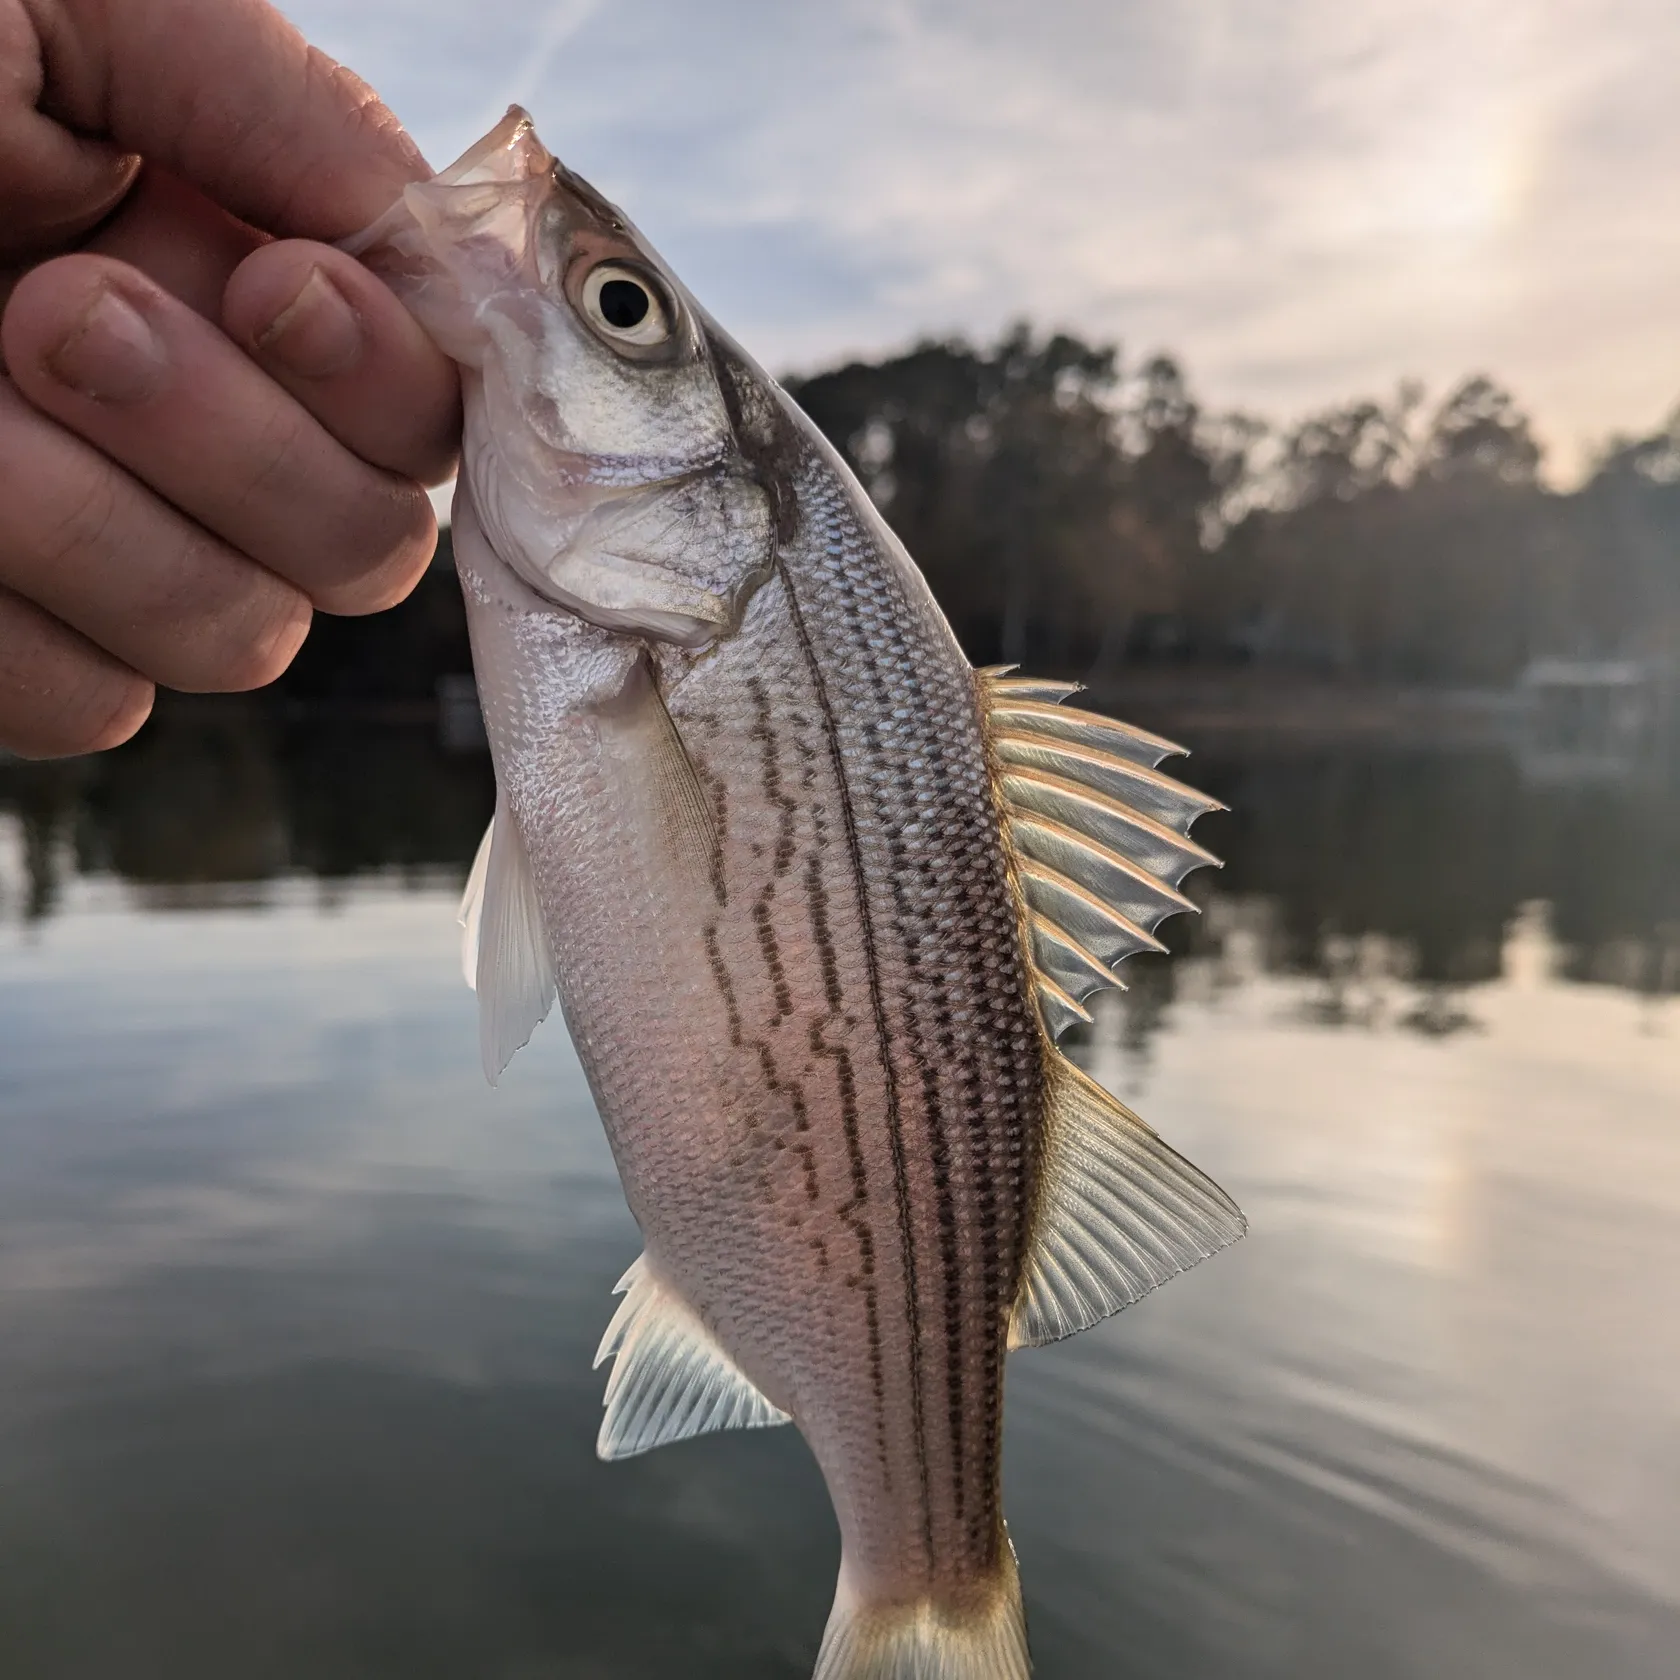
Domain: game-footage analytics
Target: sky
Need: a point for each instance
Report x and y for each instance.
(1304, 200)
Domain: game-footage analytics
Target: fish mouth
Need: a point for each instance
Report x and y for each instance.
(510, 155)
(510, 152)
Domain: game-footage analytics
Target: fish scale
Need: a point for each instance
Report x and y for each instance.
(928, 853)
(855, 798)
(815, 897)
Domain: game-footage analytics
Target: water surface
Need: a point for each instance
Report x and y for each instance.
(297, 1315)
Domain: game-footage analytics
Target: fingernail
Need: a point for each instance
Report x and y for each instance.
(112, 354)
(317, 335)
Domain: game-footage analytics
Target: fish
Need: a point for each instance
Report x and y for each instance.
(816, 897)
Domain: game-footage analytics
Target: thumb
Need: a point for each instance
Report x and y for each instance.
(54, 184)
(229, 96)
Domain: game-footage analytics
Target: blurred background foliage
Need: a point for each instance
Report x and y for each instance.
(1073, 512)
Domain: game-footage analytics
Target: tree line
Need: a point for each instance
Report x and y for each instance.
(1074, 513)
(1082, 516)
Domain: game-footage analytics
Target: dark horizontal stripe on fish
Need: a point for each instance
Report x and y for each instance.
(883, 1043)
(900, 658)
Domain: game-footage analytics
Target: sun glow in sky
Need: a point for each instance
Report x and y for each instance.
(1306, 200)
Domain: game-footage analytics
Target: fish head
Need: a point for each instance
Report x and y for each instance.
(602, 453)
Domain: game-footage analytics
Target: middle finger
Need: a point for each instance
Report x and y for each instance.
(83, 541)
(116, 359)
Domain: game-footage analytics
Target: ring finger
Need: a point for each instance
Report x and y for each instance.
(58, 692)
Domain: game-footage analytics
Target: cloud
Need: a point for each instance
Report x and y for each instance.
(1305, 200)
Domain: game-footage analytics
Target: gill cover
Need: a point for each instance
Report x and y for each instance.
(598, 453)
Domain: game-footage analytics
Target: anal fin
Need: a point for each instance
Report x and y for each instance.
(670, 1378)
(1119, 1213)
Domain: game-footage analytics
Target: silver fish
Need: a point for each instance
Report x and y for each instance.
(816, 898)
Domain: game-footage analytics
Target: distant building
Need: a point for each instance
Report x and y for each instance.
(1588, 716)
(460, 719)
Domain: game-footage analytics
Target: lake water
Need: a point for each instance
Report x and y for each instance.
(296, 1315)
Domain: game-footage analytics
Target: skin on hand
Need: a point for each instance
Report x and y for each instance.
(211, 422)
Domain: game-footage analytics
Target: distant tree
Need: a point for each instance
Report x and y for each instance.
(1074, 513)
(1007, 474)
(1381, 553)
(1653, 460)
(1171, 473)
(1350, 450)
(1480, 431)
(1629, 512)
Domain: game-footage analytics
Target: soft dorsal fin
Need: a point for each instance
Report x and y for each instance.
(670, 1378)
(1118, 1213)
(504, 950)
(1099, 836)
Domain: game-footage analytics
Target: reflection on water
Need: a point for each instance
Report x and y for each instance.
(1358, 866)
(298, 1315)
(222, 797)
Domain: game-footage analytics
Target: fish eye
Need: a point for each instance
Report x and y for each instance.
(625, 307)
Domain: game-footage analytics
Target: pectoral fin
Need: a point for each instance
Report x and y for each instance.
(670, 809)
(670, 1378)
(504, 950)
(471, 913)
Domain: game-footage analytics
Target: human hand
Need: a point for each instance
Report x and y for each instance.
(210, 424)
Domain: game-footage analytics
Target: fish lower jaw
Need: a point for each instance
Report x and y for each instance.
(642, 623)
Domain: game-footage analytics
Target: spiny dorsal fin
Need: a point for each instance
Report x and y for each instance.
(504, 950)
(1118, 1213)
(1099, 835)
(670, 1378)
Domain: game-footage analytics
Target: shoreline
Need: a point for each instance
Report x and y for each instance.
(1213, 704)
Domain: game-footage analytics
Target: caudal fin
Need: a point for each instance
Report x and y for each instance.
(926, 1640)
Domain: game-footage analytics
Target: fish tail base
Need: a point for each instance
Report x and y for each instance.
(982, 1637)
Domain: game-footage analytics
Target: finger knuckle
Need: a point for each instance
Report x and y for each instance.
(126, 704)
(216, 622)
(245, 644)
(78, 523)
(92, 707)
(272, 456)
(394, 549)
(264, 653)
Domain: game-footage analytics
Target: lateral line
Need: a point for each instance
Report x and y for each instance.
(895, 1126)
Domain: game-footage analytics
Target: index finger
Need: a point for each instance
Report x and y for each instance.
(228, 94)
(331, 333)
